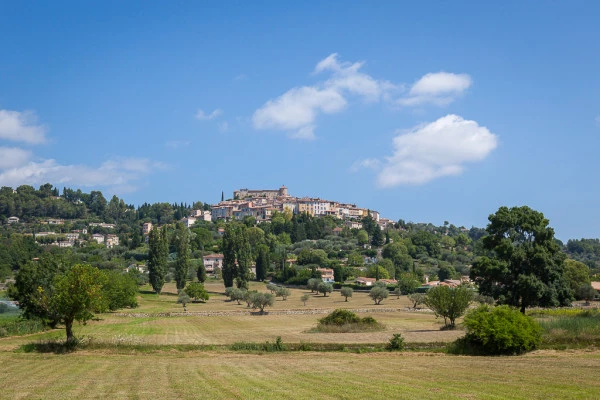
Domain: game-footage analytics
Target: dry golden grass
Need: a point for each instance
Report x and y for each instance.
(225, 375)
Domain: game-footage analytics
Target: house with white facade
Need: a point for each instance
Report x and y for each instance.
(212, 261)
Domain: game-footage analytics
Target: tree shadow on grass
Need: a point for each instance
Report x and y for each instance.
(51, 346)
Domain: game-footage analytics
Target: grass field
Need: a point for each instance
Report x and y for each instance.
(222, 375)
(138, 357)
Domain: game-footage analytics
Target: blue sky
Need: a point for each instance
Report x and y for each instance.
(425, 112)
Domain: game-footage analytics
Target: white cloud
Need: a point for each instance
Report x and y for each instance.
(119, 172)
(430, 151)
(11, 157)
(200, 114)
(21, 127)
(367, 163)
(297, 109)
(440, 88)
(223, 126)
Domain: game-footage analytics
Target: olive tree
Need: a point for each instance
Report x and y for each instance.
(449, 303)
(324, 288)
(379, 293)
(346, 292)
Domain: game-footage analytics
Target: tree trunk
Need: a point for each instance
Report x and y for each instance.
(69, 328)
(346, 299)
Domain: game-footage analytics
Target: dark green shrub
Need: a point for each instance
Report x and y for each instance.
(501, 330)
(396, 343)
(340, 317)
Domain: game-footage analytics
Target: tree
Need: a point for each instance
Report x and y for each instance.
(378, 294)
(157, 258)
(346, 292)
(282, 292)
(377, 239)
(183, 299)
(77, 295)
(577, 274)
(262, 263)
(526, 266)
(397, 292)
(417, 299)
(120, 290)
(262, 300)
(363, 237)
(446, 272)
(236, 256)
(201, 273)
(196, 291)
(182, 262)
(304, 298)
(408, 282)
(449, 303)
(586, 292)
(313, 284)
(237, 294)
(324, 288)
(378, 272)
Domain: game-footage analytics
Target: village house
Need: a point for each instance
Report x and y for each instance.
(13, 220)
(111, 241)
(212, 261)
(326, 274)
(98, 238)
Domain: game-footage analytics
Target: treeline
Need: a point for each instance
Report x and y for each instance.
(30, 204)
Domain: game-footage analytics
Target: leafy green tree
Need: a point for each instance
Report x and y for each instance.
(586, 292)
(446, 272)
(313, 284)
(182, 262)
(236, 255)
(237, 294)
(304, 298)
(324, 288)
(346, 292)
(196, 291)
(449, 303)
(158, 251)
(34, 278)
(377, 238)
(77, 295)
(282, 292)
(577, 274)
(120, 290)
(183, 299)
(408, 282)
(262, 300)
(201, 273)
(378, 294)
(417, 299)
(363, 237)
(526, 266)
(262, 262)
(355, 260)
(378, 272)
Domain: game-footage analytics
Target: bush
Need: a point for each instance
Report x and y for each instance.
(343, 321)
(501, 330)
(396, 343)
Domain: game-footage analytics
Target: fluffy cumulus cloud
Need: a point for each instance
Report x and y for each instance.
(296, 110)
(11, 157)
(440, 88)
(120, 172)
(201, 115)
(437, 149)
(21, 127)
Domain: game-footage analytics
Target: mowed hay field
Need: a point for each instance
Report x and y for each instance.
(226, 375)
(148, 324)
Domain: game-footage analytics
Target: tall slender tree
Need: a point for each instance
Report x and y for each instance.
(183, 255)
(262, 263)
(157, 258)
